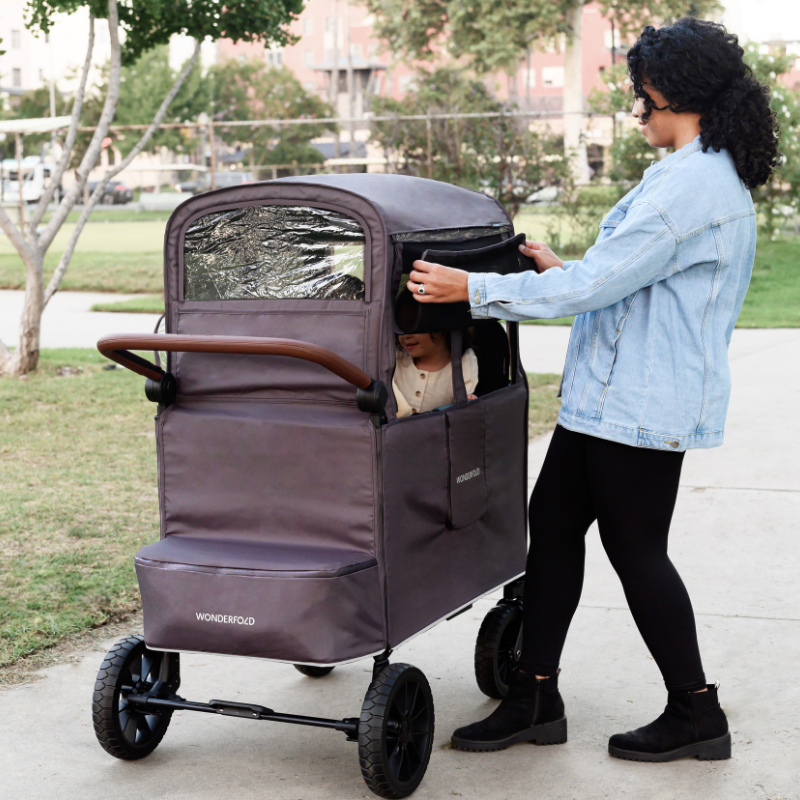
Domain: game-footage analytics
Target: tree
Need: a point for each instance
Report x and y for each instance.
(496, 36)
(780, 197)
(499, 154)
(251, 90)
(145, 24)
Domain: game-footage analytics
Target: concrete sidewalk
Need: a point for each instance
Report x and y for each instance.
(735, 542)
(69, 322)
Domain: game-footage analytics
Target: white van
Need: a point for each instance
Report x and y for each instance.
(36, 176)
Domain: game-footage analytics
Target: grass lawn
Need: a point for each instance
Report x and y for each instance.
(144, 304)
(78, 495)
(77, 498)
(110, 257)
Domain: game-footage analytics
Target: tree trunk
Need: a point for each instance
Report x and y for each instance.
(26, 356)
(574, 145)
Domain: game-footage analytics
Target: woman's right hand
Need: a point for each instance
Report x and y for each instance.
(544, 257)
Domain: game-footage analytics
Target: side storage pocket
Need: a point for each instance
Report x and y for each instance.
(466, 452)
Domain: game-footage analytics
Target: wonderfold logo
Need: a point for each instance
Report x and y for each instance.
(469, 475)
(226, 619)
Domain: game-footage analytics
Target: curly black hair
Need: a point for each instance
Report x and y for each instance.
(699, 68)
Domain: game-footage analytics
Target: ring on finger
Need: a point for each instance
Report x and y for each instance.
(421, 289)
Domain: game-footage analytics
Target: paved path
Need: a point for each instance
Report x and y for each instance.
(735, 541)
(68, 322)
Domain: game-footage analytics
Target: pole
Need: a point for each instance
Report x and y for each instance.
(213, 156)
(613, 44)
(18, 138)
(52, 79)
(337, 144)
(528, 82)
(429, 131)
(350, 83)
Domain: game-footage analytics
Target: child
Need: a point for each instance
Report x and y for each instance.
(423, 378)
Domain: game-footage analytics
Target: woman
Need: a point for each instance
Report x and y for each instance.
(646, 378)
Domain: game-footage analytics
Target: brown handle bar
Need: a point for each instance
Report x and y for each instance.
(117, 348)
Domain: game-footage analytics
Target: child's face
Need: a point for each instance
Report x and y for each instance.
(420, 345)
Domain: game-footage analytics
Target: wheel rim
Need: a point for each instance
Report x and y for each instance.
(137, 676)
(408, 732)
(506, 655)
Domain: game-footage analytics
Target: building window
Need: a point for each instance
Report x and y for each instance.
(15, 39)
(308, 26)
(16, 77)
(275, 58)
(330, 24)
(309, 58)
(528, 78)
(552, 77)
(41, 75)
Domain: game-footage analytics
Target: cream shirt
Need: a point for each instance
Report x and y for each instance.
(419, 390)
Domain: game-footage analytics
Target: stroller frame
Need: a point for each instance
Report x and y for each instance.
(415, 543)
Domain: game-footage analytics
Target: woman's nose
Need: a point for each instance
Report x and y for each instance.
(637, 109)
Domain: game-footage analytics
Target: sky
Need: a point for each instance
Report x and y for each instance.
(763, 20)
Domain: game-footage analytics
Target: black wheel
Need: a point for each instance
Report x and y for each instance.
(395, 732)
(497, 650)
(108, 200)
(313, 672)
(123, 730)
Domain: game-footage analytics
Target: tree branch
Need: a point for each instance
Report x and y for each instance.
(162, 109)
(93, 151)
(15, 235)
(69, 143)
(63, 263)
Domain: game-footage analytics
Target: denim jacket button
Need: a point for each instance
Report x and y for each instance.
(477, 297)
(674, 444)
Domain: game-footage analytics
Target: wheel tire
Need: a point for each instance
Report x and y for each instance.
(313, 672)
(123, 730)
(395, 732)
(494, 650)
(108, 200)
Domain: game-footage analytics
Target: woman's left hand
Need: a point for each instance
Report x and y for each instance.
(440, 284)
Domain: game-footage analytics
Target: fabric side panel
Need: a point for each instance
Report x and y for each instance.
(431, 570)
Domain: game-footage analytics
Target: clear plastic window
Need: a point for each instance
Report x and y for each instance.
(274, 252)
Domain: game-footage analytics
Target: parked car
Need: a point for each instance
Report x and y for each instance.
(223, 180)
(115, 193)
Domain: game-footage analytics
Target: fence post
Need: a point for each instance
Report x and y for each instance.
(429, 131)
(18, 142)
(213, 159)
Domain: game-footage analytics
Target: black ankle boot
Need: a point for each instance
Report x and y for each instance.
(533, 711)
(692, 726)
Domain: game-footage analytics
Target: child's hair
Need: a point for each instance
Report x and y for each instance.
(699, 67)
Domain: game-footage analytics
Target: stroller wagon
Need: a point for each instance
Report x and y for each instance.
(301, 521)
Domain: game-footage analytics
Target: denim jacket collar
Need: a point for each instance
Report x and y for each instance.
(674, 157)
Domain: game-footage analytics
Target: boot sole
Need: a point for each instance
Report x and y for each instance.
(548, 733)
(711, 750)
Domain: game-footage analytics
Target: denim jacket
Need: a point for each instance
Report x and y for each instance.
(657, 297)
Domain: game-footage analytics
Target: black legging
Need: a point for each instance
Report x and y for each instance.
(631, 493)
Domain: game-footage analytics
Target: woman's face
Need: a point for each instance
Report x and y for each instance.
(419, 345)
(659, 128)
